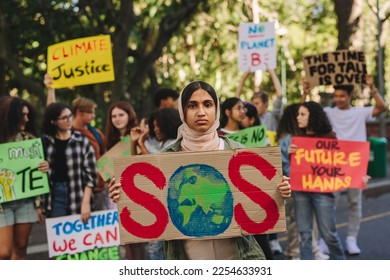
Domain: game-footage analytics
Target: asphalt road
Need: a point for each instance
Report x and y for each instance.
(373, 238)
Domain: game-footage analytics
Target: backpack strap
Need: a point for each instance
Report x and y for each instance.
(97, 136)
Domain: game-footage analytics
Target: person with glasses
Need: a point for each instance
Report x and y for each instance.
(84, 114)
(71, 157)
(232, 113)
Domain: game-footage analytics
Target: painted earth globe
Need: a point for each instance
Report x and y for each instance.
(200, 202)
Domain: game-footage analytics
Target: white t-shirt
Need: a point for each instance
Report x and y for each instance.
(350, 124)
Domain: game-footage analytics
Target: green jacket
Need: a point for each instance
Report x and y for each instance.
(246, 247)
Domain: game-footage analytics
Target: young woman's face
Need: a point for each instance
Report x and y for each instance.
(237, 113)
(247, 121)
(64, 120)
(157, 132)
(25, 113)
(200, 111)
(119, 119)
(303, 117)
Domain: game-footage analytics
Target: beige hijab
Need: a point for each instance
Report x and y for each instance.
(215, 249)
(196, 141)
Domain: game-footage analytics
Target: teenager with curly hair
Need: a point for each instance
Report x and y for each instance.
(349, 123)
(313, 122)
(17, 217)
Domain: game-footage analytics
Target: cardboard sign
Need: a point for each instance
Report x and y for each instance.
(81, 61)
(19, 174)
(257, 46)
(335, 68)
(187, 195)
(69, 235)
(105, 165)
(328, 165)
(250, 137)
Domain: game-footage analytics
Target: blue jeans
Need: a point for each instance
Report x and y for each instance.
(155, 250)
(60, 200)
(324, 208)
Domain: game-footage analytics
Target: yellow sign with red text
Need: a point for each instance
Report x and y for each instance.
(81, 61)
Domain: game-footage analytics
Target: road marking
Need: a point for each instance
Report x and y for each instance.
(363, 220)
(35, 249)
(366, 219)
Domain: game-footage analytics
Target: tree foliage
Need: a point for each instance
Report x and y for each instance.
(161, 43)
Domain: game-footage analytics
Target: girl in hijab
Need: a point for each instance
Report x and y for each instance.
(198, 107)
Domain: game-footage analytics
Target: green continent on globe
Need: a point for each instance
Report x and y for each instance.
(200, 202)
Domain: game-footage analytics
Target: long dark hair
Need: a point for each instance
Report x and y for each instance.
(52, 112)
(318, 120)
(228, 104)
(11, 117)
(168, 121)
(194, 86)
(112, 133)
(288, 123)
(251, 112)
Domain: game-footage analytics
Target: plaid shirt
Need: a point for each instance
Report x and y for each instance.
(81, 165)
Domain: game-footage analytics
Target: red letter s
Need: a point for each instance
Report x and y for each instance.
(254, 193)
(144, 199)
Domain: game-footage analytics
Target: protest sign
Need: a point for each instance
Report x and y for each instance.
(105, 166)
(214, 194)
(342, 67)
(81, 61)
(257, 46)
(19, 174)
(250, 137)
(328, 165)
(271, 135)
(69, 238)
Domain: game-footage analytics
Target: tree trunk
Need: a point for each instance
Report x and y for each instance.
(348, 14)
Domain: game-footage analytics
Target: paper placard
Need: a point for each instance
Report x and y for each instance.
(19, 174)
(81, 61)
(256, 46)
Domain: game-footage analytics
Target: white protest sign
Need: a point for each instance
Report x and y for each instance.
(257, 46)
(69, 235)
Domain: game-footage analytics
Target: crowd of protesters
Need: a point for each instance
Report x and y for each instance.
(191, 121)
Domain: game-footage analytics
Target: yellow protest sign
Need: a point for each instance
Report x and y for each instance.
(271, 135)
(81, 61)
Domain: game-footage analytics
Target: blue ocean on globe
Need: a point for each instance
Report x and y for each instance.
(200, 202)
